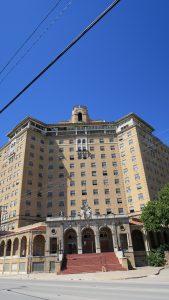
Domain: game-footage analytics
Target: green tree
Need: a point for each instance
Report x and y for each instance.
(156, 213)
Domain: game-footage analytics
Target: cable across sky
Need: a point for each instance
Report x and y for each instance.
(83, 33)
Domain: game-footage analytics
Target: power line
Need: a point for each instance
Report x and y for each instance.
(60, 13)
(30, 36)
(84, 32)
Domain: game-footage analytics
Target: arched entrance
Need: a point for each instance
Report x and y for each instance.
(8, 248)
(70, 241)
(106, 242)
(39, 246)
(15, 247)
(88, 241)
(23, 247)
(2, 248)
(137, 240)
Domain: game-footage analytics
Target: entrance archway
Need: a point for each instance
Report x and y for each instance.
(15, 247)
(70, 241)
(88, 241)
(106, 242)
(2, 248)
(23, 246)
(39, 245)
(137, 240)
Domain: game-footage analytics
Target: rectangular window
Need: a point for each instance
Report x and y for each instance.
(95, 192)
(140, 196)
(113, 155)
(73, 213)
(71, 166)
(72, 174)
(61, 194)
(106, 191)
(49, 204)
(117, 181)
(131, 209)
(96, 202)
(72, 193)
(142, 206)
(83, 174)
(94, 173)
(137, 177)
(71, 149)
(135, 167)
(106, 181)
(91, 148)
(128, 189)
(92, 156)
(125, 171)
(84, 192)
(71, 157)
(104, 172)
(119, 200)
(101, 141)
(91, 141)
(118, 191)
(82, 165)
(115, 172)
(102, 148)
(61, 203)
(104, 164)
(130, 199)
(71, 141)
(61, 175)
(107, 201)
(72, 183)
(94, 182)
(114, 164)
(83, 183)
(120, 210)
(93, 165)
(103, 156)
(72, 202)
(138, 186)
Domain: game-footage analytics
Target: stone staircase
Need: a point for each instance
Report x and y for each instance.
(90, 263)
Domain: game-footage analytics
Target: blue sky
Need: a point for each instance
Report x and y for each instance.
(122, 65)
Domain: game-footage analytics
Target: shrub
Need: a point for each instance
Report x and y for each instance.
(156, 257)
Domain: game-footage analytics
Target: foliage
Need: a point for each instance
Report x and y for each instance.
(156, 257)
(156, 213)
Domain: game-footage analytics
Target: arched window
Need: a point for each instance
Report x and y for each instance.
(39, 246)
(79, 117)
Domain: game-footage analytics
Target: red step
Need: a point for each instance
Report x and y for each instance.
(90, 263)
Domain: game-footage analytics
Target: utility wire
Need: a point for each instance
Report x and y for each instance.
(30, 36)
(88, 28)
(37, 40)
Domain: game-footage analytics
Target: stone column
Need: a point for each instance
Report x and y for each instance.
(61, 242)
(146, 241)
(79, 240)
(97, 239)
(114, 237)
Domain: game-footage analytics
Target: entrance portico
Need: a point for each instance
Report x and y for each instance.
(95, 234)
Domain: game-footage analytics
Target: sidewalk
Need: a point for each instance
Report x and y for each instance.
(99, 276)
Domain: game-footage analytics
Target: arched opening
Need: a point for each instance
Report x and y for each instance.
(15, 247)
(106, 242)
(8, 248)
(70, 241)
(23, 246)
(79, 117)
(137, 240)
(2, 248)
(88, 241)
(166, 239)
(151, 240)
(39, 246)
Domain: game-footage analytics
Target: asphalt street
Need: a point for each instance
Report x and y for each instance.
(155, 287)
